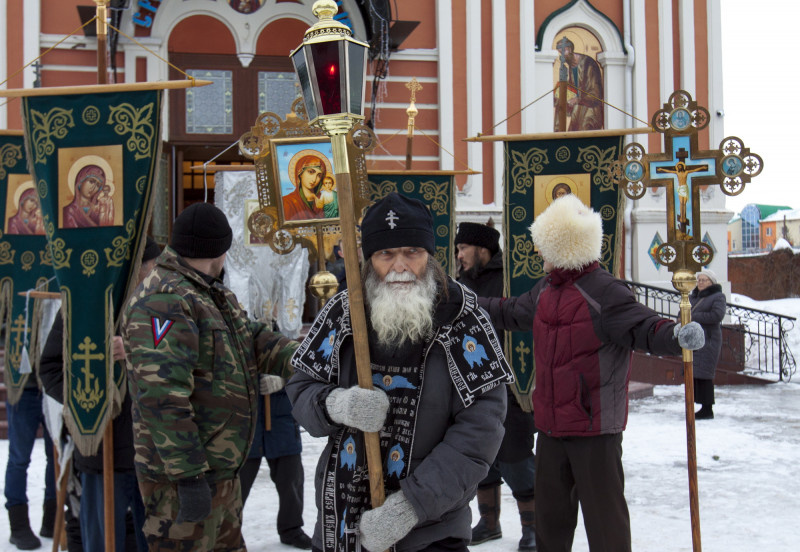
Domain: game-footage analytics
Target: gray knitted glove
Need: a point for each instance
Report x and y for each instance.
(690, 336)
(385, 525)
(363, 409)
(269, 384)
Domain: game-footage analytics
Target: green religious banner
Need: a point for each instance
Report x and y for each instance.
(537, 172)
(94, 156)
(437, 190)
(25, 264)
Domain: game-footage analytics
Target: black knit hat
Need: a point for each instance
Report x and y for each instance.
(151, 250)
(397, 221)
(201, 231)
(472, 233)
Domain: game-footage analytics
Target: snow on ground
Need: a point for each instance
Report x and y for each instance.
(747, 473)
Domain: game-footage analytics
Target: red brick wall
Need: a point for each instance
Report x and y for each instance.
(764, 277)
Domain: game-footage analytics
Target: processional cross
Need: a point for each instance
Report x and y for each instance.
(685, 170)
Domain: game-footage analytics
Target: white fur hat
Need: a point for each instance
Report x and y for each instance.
(568, 234)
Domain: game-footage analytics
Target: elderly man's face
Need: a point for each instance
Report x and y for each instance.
(399, 259)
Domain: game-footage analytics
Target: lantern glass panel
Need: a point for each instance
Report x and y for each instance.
(328, 70)
(301, 68)
(357, 60)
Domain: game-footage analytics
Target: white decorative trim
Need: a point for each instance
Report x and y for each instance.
(472, 193)
(417, 54)
(75, 68)
(687, 46)
(444, 35)
(499, 90)
(31, 26)
(666, 67)
(716, 130)
(527, 60)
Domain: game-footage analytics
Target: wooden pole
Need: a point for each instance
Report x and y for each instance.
(100, 88)
(355, 294)
(562, 106)
(108, 435)
(683, 281)
(61, 498)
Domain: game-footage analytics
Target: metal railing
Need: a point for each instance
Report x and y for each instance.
(763, 347)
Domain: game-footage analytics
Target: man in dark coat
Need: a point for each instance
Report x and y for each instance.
(481, 270)
(708, 310)
(126, 490)
(585, 323)
(438, 401)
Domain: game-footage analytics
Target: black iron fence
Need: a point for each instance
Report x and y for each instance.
(764, 347)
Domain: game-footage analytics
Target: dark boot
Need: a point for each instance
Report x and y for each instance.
(488, 527)
(21, 534)
(527, 516)
(706, 412)
(48, 519)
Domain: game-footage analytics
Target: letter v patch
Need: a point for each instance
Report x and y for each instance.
(160, 330)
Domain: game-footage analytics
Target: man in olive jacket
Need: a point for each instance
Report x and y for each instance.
(193, 364)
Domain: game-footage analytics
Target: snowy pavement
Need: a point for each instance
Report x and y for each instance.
(747, 477)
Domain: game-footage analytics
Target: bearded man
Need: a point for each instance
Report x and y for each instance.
(438, 400)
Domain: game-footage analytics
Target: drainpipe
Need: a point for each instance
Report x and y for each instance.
(627, 217)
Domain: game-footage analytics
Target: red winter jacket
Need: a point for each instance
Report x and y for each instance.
(585, 324)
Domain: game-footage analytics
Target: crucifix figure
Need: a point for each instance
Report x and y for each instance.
(682, 171)
(17, 329)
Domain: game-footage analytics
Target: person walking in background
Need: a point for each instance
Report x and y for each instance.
(438, 400)
(708, 310)
(193, 360)
(281, 446)
(585, 324)
(481, 270)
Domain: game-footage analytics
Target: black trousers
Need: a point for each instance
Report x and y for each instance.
(704, 391)
(585, 471)
(287, 474)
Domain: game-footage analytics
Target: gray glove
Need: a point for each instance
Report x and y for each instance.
(691, 336)
(385, 525)
(269, 384)
(194, 500)
(363, 409)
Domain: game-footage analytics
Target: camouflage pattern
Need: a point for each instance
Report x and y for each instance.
(193, 364)
(221, 530)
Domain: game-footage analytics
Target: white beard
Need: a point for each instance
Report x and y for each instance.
(401, 314)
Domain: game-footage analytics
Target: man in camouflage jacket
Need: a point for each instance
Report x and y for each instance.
(193, 364)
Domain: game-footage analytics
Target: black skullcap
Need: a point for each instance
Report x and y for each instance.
(397, 221)
(472, 233)
(151, 250)
(201, 231)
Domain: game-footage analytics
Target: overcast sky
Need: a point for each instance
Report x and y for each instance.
(760, 81)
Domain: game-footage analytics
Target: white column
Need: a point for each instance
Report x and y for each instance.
(716, 130)
(666, 68)
(499, 87)
(472, 195)
(31, 27)
(444, 36)
(639, 41)
(687, 48)
(4, 61)
(527, 58)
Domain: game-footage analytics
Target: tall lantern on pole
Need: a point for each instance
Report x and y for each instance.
(331, 66)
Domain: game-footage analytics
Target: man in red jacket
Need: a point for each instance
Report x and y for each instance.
(585, 324)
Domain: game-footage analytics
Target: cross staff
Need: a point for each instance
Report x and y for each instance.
(412, 112)
(731, 167)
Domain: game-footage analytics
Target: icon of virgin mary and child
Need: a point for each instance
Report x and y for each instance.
(315, 195)
(92, 204)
